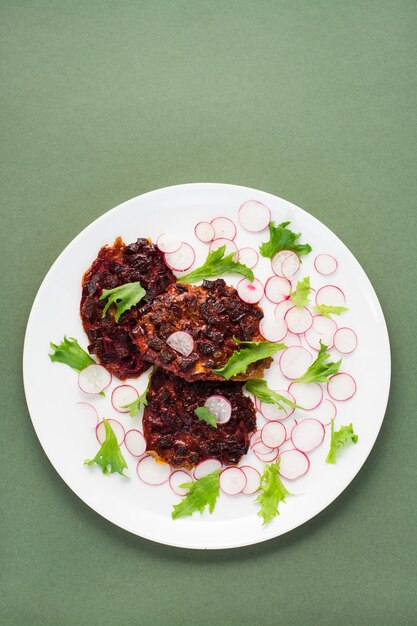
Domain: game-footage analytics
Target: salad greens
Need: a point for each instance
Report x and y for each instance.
(272, 492)
(134, 407)
(338, 439)
(282, 238)
(109, 457)
(70, 353)
(124, 297)
(205, 415)
(301, 295)
(251, 352)
(217, 264)
(201, 493)
(260, 389)
(326, 310)
(320, 371)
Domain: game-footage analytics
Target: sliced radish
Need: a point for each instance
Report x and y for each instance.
(294, 362)
(307, 435)
(289, 425)
(324, 413)
(181, 342)
(220, 407)
(307, 395)
(165, 243)
(204, 231)
(273, 329)
(248, 257)
(290, 265)
(123, 395)
(117, 428)
(182, 259)
(230, 246)
(255, 438)
(277, 289)
(325, 264)
(250, 292)
(273, 434)
(264, 453)
(323, 330)
(282, 308)
(232, 481)
(273, 412)
(94, 379)
(330, 295)
(223, 227)
(151, 472)
(135, 442)
(277, 261)
(254, 216)
(293, 464)
(298, 320)
(206, 467)
(292, 340)
(345, 340)
(177, 478)
(253, 479)
(89, 414)
(341, 387)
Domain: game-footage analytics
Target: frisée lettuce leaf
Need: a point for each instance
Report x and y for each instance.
(320, 371)
(70, 353)
(338, 439)
(205, 415)
(201, 493)
(215, 265)
(109, 457)
(326, 310)
(301, 295)
(272, 492)
(282, 238)
(251, 352)
(124, 297)
(260, 389)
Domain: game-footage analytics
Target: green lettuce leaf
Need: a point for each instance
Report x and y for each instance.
(320, 371)
(338, 439)
(205, 415)
(301, 295)
(215, 265)
(109, 457)
(260, 389)
(134, 407)
(124, 297)
(272, 492)
(282, 238)
(70, 353)
(327, 310)
(201, 493)
(251, 352)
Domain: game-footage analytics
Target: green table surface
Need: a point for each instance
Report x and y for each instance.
(314, 101)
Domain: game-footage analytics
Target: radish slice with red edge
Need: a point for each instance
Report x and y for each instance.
(298, 320)
(181, 342)
(250, 292)
(94, 379)
(293, 464)
(324, 413)
(282, 308)
(273, 434)
(177, 478)
(165, 243)
(117, 428)
(254, 216)
(248, 257)
(231, 247)
(255, 438)
(135, 442)
(290, 265)
(277, 289)
(223, 227)
(272, 329)
(89, 414)
(123, 395)
(151, 472)
(294, 362)
(253, 479)
(307, 395)
(232, 481)
(325, 264)
(330, 295)
(341, 387)
(292, 340)
(307, 435)
(206, 467)
(204, 231)
(277, 261)
(220, 407)
(323, 329)
(345, 340)
(289, 425)
(182, 259)
(267, 457)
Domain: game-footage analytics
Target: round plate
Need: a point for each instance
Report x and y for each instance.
(52, 392)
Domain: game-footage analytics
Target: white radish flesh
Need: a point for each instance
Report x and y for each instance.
(289, 425)
(307, 435)
(307, 395)
(298, 320)
(345, 340)
(165, 243)
(220, 407)
(272, 329)
(282, 308)
(273, 434)
(341, 387)
(324, 413)
(294, 362)
(177, 478)
(94, 379)
(292, 340)
(293, 464)
(122, 396)
(277, 289)
(290, 265)
(265, 454)
(181, 342)
(204, 231)
(88, 414)
(182, 259)
(330, 295)
(253, 479)
(323, 329)
(232, 481)
(230, 246)
(254, 216)
(250, 292)
(223, 227)
(248, 257)
(206, 467)
(277, 261)
(255, 438)
(116, 427)
(135, 442)
(325, 264)
(273, 412)
(151, 472)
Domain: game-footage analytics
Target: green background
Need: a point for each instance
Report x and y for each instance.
(312, 101)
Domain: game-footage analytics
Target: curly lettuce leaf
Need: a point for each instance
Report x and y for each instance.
(272, 492)
(301, 295)
(326, 310)
(124, 297)
(339, 439)
(282, 238)
(205, 415)
(70, 353)
(251, 352)
(215, 265)
(260, 389)
(134, 407)
(201, 493)
(109, 457)
(320, 371)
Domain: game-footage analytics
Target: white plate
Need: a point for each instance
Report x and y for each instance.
(52, 392)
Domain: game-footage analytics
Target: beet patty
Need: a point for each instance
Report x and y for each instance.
(114, 266)
(175, 434)
(212, 314)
